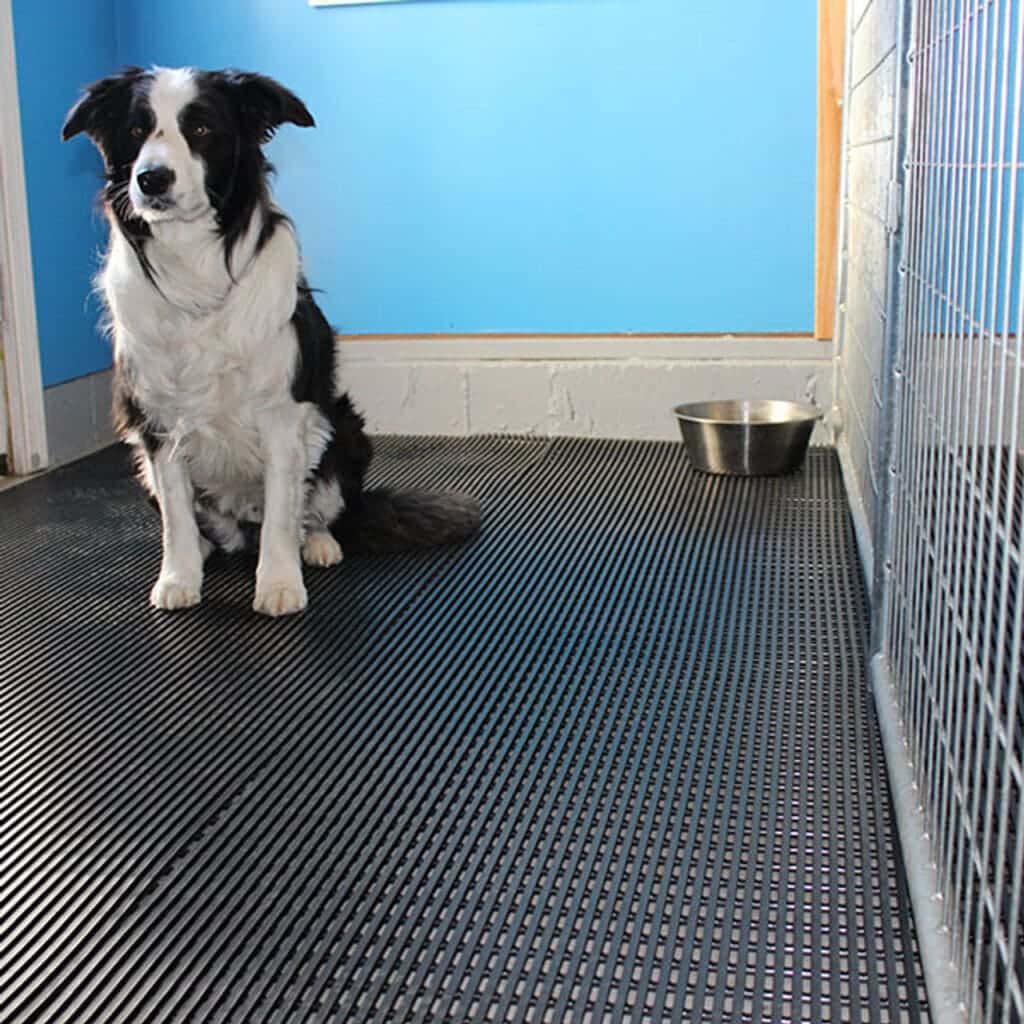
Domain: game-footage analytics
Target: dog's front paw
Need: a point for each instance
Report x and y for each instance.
(173, 592)
(321, 549)
(276, 597)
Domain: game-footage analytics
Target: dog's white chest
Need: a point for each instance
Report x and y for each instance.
(209, 359)
(209, 394)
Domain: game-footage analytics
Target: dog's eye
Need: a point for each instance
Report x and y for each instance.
(138, 131)
(200, 130)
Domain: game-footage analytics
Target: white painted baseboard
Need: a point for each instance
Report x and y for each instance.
(858, 510)
(600, 386)
(78, 417)
(3, 414)
(597, 387)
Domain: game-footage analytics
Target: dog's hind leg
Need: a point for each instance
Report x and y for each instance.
(323, 506)
(219, 529)
(320, 549)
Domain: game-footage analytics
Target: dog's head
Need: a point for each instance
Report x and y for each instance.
(178, 143)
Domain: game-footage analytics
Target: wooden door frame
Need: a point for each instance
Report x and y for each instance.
(831, 47)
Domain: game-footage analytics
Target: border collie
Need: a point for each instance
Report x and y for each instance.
(225, 381)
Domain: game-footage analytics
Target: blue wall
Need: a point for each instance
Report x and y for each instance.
(61, 45)
(534, 165)
(479, 165)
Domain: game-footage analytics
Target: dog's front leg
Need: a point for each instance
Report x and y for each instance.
(279, 586)
(181, 571)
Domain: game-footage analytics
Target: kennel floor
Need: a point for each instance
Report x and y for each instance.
(616, 759)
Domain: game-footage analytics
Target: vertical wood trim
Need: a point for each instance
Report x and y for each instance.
(20, 369)
(831, 26)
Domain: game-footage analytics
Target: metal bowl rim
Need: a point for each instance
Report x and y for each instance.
(799, 412)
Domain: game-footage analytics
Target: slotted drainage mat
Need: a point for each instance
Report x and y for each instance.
(614, 760)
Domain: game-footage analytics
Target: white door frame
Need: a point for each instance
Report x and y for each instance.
(22, 375)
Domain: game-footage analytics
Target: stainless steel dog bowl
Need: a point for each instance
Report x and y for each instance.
(746, 437)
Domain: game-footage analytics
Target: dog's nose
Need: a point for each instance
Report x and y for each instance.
(155, 181)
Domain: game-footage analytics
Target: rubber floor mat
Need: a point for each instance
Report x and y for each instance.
(614, 760)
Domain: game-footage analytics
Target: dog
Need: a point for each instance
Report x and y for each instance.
(225, 373)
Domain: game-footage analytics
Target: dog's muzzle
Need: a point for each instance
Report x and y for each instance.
(154, 182)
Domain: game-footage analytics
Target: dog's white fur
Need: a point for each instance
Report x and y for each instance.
(210, 355)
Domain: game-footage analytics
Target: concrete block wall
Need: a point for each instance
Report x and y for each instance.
(862, 326)
(578, 387)
(598, 387)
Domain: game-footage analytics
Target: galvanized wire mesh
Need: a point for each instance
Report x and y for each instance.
(953, 592)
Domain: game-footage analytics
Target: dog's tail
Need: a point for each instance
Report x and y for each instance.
(385, 521)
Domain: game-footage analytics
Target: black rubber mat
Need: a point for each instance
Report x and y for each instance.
(614, 760)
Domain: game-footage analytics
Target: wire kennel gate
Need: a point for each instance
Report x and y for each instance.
(928, 423)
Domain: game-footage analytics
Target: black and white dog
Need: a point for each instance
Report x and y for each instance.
(225, 375)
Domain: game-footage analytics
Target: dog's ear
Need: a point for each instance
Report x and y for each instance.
(263, 104)
(102, 105)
